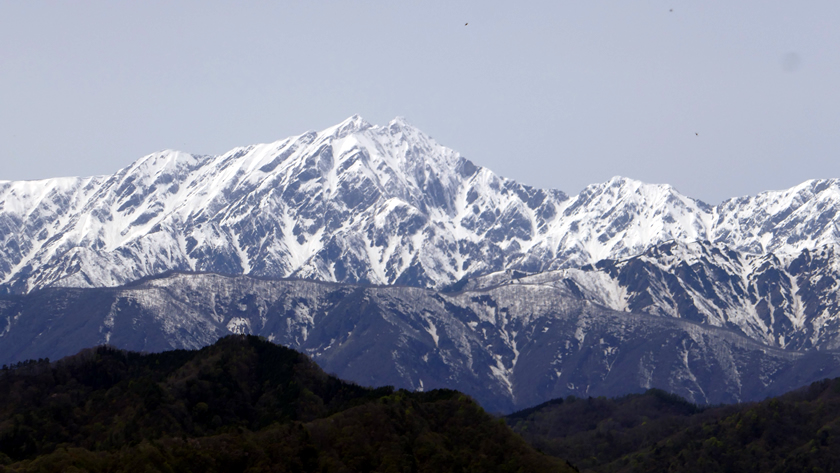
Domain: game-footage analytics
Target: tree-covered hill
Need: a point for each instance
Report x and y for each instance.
(242, 404)
(656, 431)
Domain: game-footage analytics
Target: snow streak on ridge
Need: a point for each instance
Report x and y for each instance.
(364, 203)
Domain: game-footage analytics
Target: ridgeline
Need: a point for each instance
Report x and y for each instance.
(242, 404)
(657, 431)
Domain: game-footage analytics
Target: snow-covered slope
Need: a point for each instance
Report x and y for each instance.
(363, 203)
(783, 222)
(351, 203)
(624, 286)
(788, 301)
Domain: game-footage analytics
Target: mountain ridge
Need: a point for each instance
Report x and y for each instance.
(391, 259)
(241, 404)
(510, 346)
(363, 203)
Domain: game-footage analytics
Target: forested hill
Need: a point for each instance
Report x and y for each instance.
(242, 404)
(657, 431)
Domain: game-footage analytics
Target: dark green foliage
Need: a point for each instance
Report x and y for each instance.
(655, 431)
(592, 431)
(243, 404)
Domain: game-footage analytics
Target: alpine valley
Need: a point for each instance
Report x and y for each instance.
(391, 259)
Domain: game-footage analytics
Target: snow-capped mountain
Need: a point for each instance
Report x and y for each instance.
(787, 302)
(510, 293)
(352, 203)
(363, 203)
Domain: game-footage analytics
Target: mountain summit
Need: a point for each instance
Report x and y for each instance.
(519, 294)
(364, 203)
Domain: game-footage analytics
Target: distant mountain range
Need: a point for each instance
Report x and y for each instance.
(510, 293)
(510, 344)
(361, 203)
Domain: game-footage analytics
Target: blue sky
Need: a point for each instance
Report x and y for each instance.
(716, 98)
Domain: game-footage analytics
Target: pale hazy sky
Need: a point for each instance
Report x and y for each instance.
(718, 98)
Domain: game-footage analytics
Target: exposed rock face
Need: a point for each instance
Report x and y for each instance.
(363, 203)
(787, 301)
(511, 346)
(507, 292)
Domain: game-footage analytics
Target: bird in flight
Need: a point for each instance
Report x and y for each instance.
(696, 134)
(465, 24)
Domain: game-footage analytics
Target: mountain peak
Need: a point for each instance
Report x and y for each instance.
(350, 125)
(357, 202)
(620, 185)
(401, 122)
